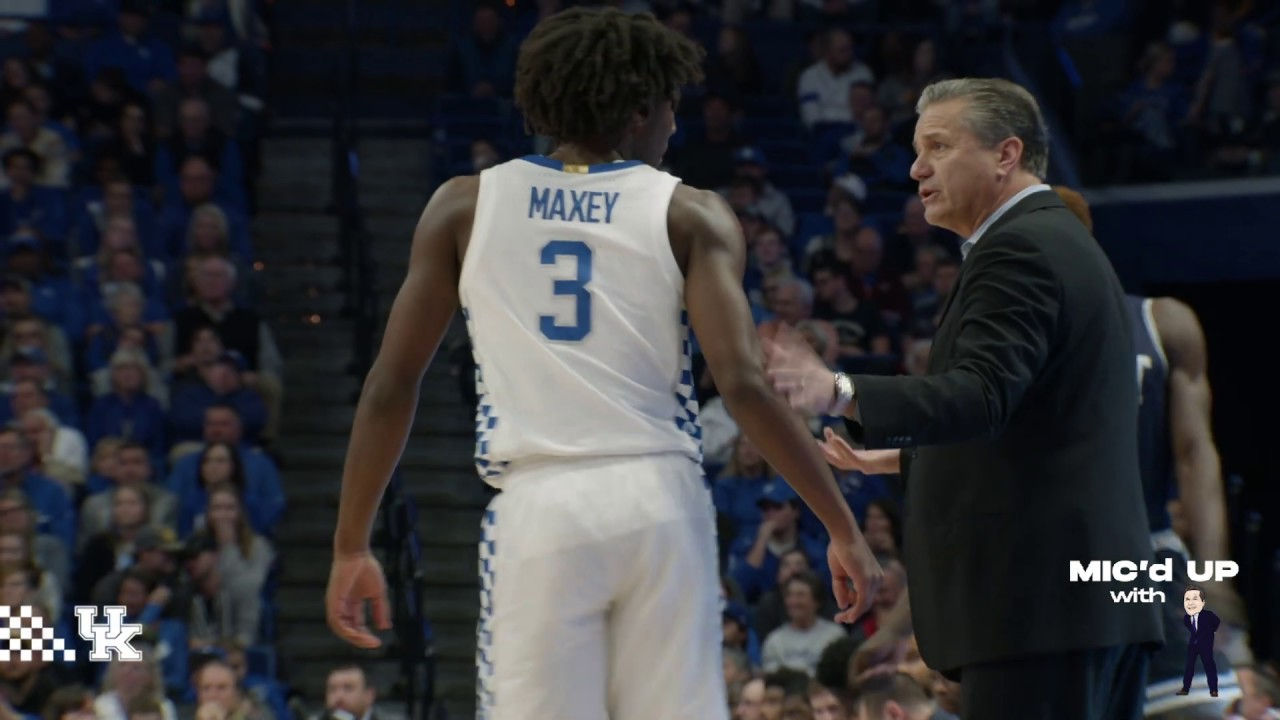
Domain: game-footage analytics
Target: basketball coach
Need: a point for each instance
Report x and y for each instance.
(1017, 448)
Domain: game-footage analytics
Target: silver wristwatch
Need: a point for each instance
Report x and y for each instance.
(843, 397)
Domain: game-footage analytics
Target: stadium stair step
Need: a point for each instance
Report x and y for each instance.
(299, 246)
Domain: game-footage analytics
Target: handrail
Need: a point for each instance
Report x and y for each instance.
(399, 537)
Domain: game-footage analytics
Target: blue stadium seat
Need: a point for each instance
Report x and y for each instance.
(770, 106)
(762, 129)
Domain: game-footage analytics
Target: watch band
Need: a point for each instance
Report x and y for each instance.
(843, 395)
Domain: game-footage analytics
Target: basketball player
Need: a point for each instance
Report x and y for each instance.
(576, 272)
(1178, 456)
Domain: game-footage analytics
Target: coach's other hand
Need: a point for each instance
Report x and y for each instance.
(841, 454)
(798, 374)
(353, 581)
(852, 563)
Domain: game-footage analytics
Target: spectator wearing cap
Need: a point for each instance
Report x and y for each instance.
(264, 496)
(736, 635)
(163, 641)
(128, 411)
(240, 329)
(194, 82)
(28, 206)
(31, 365)
(798, 643)
(753, 560)
(823, 88)
(133, 469)
(774, 204)
(147, 62)
(221, 386)
(158, 552)
(61, 453)
(52, 169)
(707, 160)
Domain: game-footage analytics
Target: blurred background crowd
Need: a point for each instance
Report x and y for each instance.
(142, 388)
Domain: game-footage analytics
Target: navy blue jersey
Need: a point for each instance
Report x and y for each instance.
(1155, 444)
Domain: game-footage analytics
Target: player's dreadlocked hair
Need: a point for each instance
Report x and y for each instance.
(583, 72)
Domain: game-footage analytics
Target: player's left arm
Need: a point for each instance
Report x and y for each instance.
(423, 309)
(1197, 466)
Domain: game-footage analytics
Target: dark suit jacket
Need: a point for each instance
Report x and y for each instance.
(1201, 638)
(1022, 451)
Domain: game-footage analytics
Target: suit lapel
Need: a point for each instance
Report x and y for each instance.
(1034, 201)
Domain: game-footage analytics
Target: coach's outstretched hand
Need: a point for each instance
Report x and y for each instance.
(841, 454)
(353, 581)
(852, 563)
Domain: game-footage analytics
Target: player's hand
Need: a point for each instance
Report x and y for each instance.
(798, 374)
(353, 581)
(839, 453)
(853, 564)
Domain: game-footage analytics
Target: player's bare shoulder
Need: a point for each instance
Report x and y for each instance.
(1179, 329)
(700, 220)
(449, 214)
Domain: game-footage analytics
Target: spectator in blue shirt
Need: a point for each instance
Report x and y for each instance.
(29, 372)
(54, 513)
(128, 411)
(264, 496)
(26, 206)
(483, 63)
(196, 136)
(196, 182)
(117, 199)
(738, 490)
(754, 560)
(147, 61)
(221, 386)
(52, 297)
(17, 301)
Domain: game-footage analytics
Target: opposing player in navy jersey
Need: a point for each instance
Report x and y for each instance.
(1178, 458)
(576, 273)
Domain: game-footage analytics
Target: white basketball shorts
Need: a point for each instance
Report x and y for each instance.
(600, 593)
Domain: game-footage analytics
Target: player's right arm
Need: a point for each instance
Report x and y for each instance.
(703, 226)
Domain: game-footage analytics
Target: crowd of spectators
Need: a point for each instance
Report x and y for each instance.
(141, 390)
(813, 151)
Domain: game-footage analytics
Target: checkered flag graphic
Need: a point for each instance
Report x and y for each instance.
(23, 635)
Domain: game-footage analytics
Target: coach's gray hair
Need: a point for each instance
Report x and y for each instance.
(998, 110)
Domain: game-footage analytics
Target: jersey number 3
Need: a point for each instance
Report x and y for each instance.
(575, 288)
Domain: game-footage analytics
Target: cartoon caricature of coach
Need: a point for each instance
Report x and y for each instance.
(1201, 624)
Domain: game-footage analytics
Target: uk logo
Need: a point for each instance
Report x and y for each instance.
(24, 636)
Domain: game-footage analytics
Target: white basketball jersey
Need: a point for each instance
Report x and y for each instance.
(575, 306)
